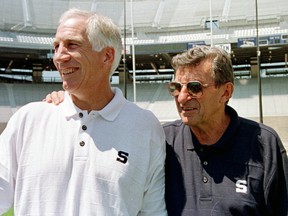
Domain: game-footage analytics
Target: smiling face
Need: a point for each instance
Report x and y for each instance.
(79, 66)
(197, 112)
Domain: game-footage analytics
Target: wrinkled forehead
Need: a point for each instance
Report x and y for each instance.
(73, 23)
(71, 28)
(199, 72)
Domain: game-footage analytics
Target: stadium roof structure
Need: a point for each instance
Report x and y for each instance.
(149, 16)
(158, 28)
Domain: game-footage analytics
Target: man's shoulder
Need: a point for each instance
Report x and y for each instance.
(34, 109)
(173, 124)
(129, 109)
(251, 125)
(174, 129)
(135, 110)
(33, 112)
(34, 106)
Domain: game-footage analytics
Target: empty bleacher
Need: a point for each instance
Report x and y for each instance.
(155, 97)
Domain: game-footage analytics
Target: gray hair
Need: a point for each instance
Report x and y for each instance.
(101, 32)
(221, 62)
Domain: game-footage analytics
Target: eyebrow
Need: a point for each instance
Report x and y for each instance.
(75, 39)
(55, 41)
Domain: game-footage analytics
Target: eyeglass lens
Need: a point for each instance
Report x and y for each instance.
(194, 88)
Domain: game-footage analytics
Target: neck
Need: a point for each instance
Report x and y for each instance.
(210, 133)
(93, 100)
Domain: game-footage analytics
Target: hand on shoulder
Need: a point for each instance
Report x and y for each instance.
(55, 97)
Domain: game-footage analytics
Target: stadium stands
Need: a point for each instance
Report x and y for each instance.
(155, 97)
(162, 28)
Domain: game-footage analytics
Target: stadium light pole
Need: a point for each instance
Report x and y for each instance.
(124, 53)
(133, 50)
(258, 53)
(211, 26)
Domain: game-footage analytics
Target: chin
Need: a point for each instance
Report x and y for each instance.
(70, 87)
(188, 120)
(184, 119)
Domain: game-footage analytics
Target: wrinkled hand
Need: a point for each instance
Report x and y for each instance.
(55, 97)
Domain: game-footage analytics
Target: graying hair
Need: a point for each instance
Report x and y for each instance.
(221, 62)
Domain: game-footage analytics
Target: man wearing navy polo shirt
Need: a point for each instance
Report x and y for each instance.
(217, 162)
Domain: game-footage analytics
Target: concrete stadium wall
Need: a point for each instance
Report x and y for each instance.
(155, 97)
(13, 96)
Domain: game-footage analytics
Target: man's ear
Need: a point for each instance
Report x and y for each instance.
(109, 55)
(228, 89)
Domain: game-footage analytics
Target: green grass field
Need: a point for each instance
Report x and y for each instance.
(9, 213)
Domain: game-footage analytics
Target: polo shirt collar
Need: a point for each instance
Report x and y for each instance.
(109, 112)
(114, 107)
(69, 108)
(225, 141)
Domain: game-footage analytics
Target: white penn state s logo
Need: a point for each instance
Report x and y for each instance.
(241, 186)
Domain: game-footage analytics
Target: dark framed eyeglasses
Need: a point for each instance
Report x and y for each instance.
(195, 88)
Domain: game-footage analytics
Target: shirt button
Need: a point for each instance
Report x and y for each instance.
(201, 149)
(82, 143)
(205, 163)
(205, 179)
(84, 127)
(80, 115)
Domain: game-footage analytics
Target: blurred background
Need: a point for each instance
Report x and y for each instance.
(255, 33)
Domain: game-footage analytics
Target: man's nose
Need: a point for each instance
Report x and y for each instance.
(61, 54)
(184, 95)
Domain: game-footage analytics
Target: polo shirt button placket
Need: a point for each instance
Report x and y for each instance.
(84, 128)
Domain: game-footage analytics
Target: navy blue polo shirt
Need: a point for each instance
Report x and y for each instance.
(244, 173)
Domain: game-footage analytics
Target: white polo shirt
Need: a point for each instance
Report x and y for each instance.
(60, 160)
